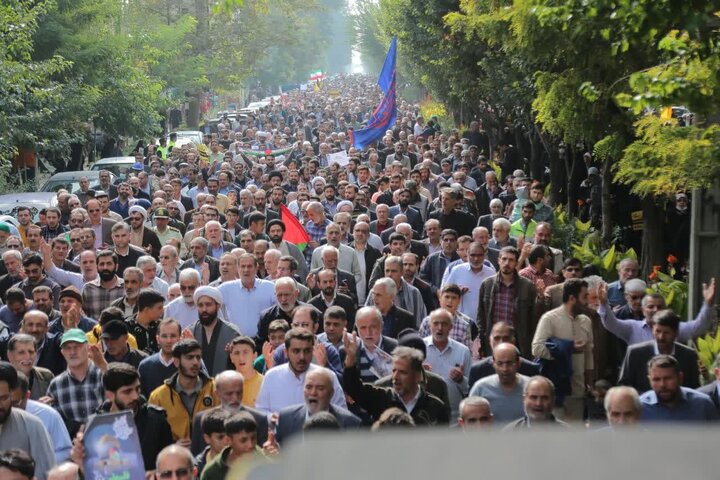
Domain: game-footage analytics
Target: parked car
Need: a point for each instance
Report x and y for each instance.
(36, 201)
(118, 166)
(188, 136)
(70, 181)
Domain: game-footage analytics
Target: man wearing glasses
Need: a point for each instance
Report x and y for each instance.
(101, 226)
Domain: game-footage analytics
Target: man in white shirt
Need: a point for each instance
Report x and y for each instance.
(469, 276)
(448, 358)
(183, 309)
(247, 297)
(283, 385)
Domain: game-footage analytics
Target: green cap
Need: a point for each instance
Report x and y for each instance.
(73, 335)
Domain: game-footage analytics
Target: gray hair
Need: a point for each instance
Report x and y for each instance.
(473, 401)
(393, 259)
(503, 223)
(189, 274)
(146, 261)
(201, 240)
(495, 202)
(593, 282)
(623, 390)
(12, 253)
(635, 285)
(284, 281)
(373, 311)
(388, 284)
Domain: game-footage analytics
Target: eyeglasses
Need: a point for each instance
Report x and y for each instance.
(179, 473)
(14, 245)
(188, 287)
(76, 239)
(635, 297)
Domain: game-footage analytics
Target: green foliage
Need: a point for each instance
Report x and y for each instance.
(666, 159)
(675, 292)
(29, 93)
(580, 238)
(708, 348)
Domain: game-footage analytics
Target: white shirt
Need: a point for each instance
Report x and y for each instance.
(182, 312)
(160, 286)
(244, 306)
(454, 354)
(66, 277)
(360, 254)
(282, 388)
(463, 276)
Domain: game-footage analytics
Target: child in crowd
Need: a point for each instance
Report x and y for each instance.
(213, 428)
(242, 356)
(276, 335)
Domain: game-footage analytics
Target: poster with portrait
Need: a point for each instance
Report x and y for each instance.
(112, 448)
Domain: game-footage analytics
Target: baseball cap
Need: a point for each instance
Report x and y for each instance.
(73, 335)
(114, 329)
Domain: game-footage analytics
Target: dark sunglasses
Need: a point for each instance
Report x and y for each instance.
(179, 473)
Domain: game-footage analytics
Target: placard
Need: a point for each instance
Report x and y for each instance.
(112, 448)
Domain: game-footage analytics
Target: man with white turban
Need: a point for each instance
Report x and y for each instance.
(140, 236)
(212, 333)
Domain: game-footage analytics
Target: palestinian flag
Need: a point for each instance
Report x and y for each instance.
(294, 232)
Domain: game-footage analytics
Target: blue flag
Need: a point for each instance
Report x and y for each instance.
(383, 118)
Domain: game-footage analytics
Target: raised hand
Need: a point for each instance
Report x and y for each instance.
(320, 354)
(351, 348)
(602, 293)
(709, 292)
(267, 351)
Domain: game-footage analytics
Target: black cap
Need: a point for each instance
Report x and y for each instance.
(114, 329)
(409, 337)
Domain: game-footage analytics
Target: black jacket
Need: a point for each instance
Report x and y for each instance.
(634, 372)
(711, 390)
(403, 319)
(429, 410)
(484, 368)
(213, 265)
(342, 301)
(371, 257)
(153, 430)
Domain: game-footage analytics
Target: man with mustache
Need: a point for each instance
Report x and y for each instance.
(538, 402)
(210, 331)
(99, 293)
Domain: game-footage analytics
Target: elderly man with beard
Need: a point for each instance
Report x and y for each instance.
(78, 391)
(183, 308)
(71, 316)
(229, 386)
(186, 393)
(132, 283)
(210, 331)
(571, 332)
(538, 402)
(318, 391)
(122, 392)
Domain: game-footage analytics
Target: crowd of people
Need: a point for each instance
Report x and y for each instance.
(428, 293)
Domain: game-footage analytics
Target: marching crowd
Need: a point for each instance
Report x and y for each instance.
(274, 280)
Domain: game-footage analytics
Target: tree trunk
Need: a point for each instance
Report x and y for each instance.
(653, 242)
(569, 169)
(606, 208)
(193, 118)
(536, 164)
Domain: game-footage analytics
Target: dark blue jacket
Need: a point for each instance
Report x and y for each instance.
(559, 370)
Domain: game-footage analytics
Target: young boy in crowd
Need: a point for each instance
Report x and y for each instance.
(242, 356)
(213, 428)
(241, 431)
(276, 336)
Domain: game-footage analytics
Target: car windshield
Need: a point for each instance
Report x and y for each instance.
(12, 208)
(117, 169)
(71, 185)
